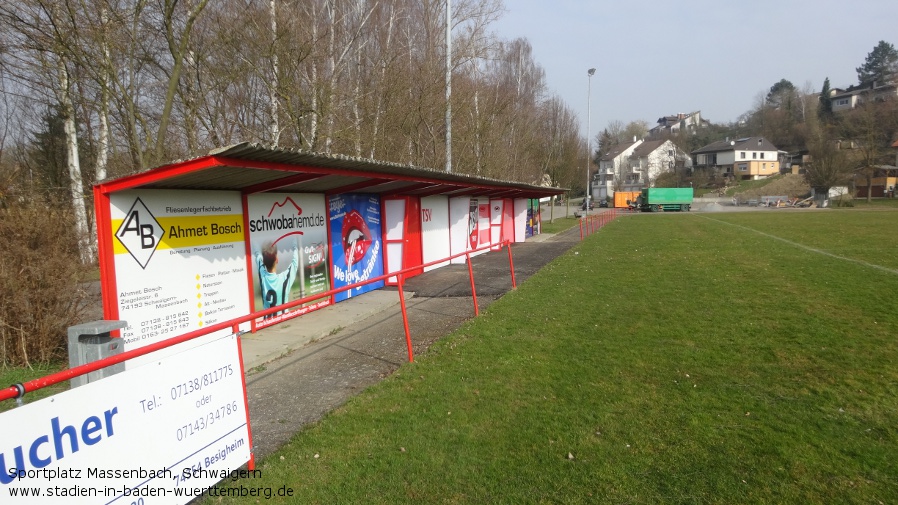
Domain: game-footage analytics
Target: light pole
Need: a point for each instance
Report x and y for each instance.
(588, 141)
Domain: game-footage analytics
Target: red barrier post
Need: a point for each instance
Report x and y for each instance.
(514, 284)
(581, 228)
(408, 335)
(251, 464)
(473, 289)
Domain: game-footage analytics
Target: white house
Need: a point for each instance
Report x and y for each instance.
(745, 158)
(649, 160)
(612, 168)
(853, 97)
(672, 125)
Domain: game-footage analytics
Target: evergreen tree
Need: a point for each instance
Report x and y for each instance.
(781, 94)
(825, 108)
(606, 142)
(880, 67)
(46, 156)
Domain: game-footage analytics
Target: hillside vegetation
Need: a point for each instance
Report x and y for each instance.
(791, 185)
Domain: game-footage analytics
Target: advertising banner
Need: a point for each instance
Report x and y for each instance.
(523, 228)
(496, 215)
(289, 249)
(460, 227)
(356, 242)
(483, 224)
(394, 236)
(180, 262)
(435, 230)
(161, 433)
(473, 225)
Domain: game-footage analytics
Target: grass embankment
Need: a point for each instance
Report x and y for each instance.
(667, 359)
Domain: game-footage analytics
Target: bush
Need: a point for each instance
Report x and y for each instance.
(40, 275)
(845, 201)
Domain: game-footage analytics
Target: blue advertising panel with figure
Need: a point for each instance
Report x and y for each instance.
(356, 242)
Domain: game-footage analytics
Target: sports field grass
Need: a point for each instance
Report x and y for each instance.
(685, 358)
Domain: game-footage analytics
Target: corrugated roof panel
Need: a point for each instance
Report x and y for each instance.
(264, 166)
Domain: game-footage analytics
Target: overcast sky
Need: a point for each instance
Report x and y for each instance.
(656, 58)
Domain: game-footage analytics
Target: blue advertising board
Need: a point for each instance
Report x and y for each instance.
(356, 242)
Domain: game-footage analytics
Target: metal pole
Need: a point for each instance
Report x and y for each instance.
(588, 141)
(449, 86)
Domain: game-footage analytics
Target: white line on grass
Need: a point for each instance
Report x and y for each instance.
(807, 248)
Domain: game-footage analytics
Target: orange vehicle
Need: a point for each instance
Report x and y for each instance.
(622, 199)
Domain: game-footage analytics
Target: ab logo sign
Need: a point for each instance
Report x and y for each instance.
(140, 233)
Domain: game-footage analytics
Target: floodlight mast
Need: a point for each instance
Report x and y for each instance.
(590, 72)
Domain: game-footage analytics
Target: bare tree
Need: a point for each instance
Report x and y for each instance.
(870, 128)
(43, 36)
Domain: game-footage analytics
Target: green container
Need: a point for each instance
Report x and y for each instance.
(665, 199)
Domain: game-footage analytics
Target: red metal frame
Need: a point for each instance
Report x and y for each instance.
(249, 432)
(473, 287)
(206, 162)
(412, 252)
(105, 253)
(64, 375)
(595, 222)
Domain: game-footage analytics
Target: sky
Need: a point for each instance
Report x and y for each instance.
(658, 58)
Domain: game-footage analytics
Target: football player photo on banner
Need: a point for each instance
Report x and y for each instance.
(288, 252)
(356, 242)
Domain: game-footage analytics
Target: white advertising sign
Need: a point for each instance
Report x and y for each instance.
(180, 262)
(435, 230)
(497, 208)
(461, 226)
(520, 219)
(394, 234)
(161, 433)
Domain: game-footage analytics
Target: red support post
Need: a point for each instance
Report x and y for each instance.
(408, 335)
(473, 288)
(514, 284)
(251, 464)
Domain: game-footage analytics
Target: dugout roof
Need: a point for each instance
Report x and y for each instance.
(253, 168)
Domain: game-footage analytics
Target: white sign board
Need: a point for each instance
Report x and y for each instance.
(160, 433)
(435, 230)
(520, 219)
(180, 262)
(461, 226)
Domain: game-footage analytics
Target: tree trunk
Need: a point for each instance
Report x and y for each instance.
(821, 196)
(274, 128)
(76, 187)
(177, 49)
(869, 185)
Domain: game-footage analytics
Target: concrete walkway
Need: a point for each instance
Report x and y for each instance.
(277, 341)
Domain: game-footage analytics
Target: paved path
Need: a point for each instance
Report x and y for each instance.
(302, 369)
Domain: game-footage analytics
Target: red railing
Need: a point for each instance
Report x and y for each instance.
(591, 224)
(19, 390)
